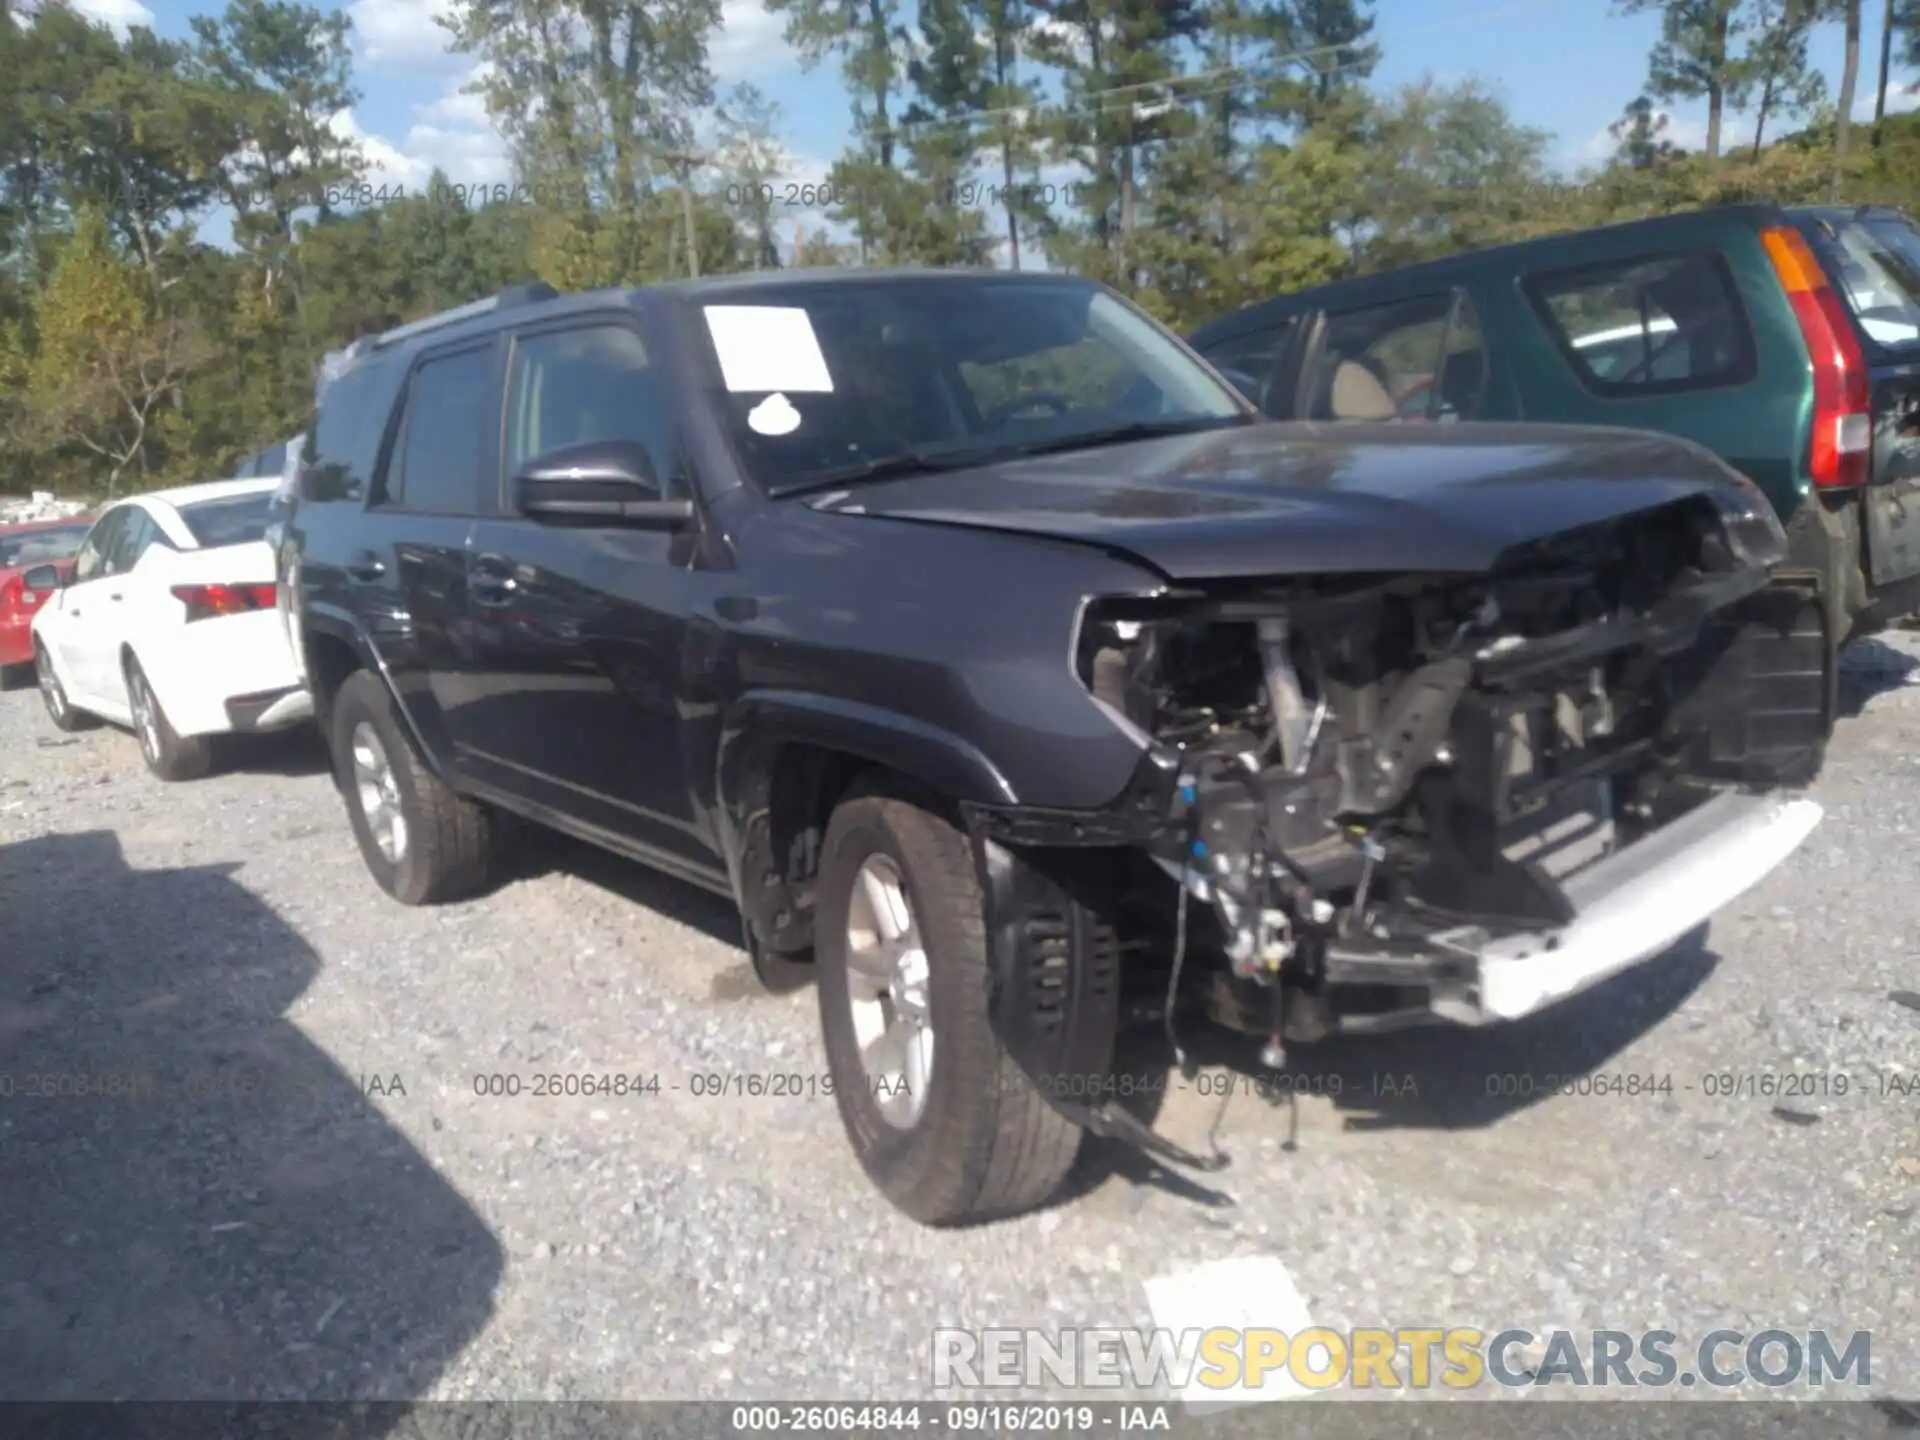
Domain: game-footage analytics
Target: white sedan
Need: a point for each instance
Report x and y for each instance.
(169, 625)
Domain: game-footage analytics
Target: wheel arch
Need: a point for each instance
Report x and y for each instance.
(333, 647)
(786, 760)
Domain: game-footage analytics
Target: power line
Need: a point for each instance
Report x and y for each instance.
(1273, 70)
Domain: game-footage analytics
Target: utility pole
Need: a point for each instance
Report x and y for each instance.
(1886, 60)
(683, 162)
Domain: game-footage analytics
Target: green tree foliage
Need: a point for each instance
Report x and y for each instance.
(1783, 85)
(1698, 56)
(109, 354)
(1640, 135)
(1197, 154)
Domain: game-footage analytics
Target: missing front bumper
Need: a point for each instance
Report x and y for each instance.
(1628, 908)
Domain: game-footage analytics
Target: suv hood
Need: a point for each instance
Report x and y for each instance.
(1289, 498)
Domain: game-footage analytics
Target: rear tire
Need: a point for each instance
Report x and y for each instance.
(983, 1143)
(423, 841)
(54, 695)
(168, 755)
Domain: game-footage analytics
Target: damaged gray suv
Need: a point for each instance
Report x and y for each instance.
(1002, 665)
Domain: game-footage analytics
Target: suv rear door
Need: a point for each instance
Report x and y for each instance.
(412, 578)
(1873, 258)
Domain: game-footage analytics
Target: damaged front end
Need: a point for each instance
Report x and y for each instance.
(1386, 800)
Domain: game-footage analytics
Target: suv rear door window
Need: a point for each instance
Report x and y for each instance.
(1649, 324)
(451, 403)
(1419, 359)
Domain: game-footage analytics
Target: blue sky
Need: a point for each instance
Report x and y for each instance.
(1565, 66)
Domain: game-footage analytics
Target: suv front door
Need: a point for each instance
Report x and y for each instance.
(579, 629)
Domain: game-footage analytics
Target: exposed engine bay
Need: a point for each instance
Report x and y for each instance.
(1369, 777)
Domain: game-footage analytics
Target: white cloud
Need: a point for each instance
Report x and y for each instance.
(751, 42)
(460, 107)
(396, 33)
(1900, 100)
(387, 166)
(451, 133)
(119, 15)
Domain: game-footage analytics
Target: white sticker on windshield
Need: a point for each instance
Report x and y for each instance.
(774, 415)
(767, 347)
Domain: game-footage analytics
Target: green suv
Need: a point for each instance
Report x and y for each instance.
(1785, 341)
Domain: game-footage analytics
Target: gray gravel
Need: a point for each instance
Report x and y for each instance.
(310, 1199)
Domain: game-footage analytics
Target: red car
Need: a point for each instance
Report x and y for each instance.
(24, 547)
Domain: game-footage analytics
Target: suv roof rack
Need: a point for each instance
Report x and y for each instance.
(529, 293)
(336, 362)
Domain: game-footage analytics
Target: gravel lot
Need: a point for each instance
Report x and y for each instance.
(310, 1199)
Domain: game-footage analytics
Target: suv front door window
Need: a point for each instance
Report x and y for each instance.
(577, 629)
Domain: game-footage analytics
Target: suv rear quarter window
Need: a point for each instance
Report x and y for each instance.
(1647, 325)
(345, 442)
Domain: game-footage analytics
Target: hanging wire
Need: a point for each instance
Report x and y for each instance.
(1235, 75)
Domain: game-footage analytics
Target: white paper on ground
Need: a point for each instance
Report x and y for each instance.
(1253, 1292)
(774, 415)
(767, 347)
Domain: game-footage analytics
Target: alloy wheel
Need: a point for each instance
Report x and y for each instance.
(144, 720)
(378, 793)
(887, 992)
(50, 691)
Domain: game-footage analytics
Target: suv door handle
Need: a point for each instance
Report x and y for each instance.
(491, 581)
(366, 565)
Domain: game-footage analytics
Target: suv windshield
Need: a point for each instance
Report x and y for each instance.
(1879, 265)
(826, 382)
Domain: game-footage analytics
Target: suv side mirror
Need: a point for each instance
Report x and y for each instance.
(43, 577)
(606, 481)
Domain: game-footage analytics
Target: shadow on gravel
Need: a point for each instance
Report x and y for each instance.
(538, 851)
(196, 1203)
(296, 752)
(1871, 667)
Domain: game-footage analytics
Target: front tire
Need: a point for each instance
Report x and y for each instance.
(943, 1120)
(54, 695)
(423, 841)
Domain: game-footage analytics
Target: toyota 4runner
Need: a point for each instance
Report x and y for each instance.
(1000, 662)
